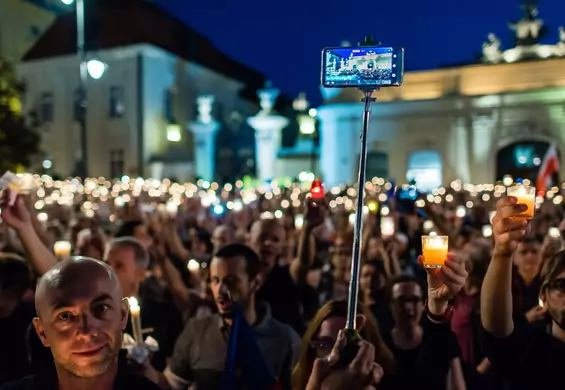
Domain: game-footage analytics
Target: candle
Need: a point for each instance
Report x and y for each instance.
(135, 318)
(62, 249)
(554, 232)
(525, 195)
(434, 249)
(387, 226)
(193, 265)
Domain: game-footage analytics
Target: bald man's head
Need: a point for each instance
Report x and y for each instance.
(81, 315)
(267, 239)
(71, 274)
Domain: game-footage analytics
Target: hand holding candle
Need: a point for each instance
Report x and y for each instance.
(434, 251)
(135, 318)
(525, 195)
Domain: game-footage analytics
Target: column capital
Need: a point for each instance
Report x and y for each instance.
(270, 123)
(210, 128)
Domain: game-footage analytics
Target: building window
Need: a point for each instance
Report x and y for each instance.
(47, 107)
(169, 105)
(117, 107)
(425, 167)
(377, 165)
(116, 163)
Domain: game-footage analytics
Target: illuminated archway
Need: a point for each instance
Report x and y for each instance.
(426, 168)
(523, 160)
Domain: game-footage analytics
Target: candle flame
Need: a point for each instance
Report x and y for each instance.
(133, 304)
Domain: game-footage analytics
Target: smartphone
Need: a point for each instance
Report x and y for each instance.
(317, 189)
(378, 66)
(387, 226)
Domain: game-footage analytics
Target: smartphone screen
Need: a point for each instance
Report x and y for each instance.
(344, 67)
(317, 189)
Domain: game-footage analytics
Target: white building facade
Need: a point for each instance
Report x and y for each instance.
(472, 123)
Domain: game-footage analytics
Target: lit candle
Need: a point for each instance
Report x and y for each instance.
(434, 249)
(554, 232)
(387, 226)
(525, 195)
(135, 318)
(62, 249)
(193, 265)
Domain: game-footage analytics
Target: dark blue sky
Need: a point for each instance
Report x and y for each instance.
(284, 41)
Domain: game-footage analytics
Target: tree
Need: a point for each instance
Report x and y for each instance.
(19, 142)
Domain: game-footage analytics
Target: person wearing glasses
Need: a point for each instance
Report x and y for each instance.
(526, 356)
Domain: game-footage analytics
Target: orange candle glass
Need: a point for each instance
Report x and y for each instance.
(525, 195)
(434, 250)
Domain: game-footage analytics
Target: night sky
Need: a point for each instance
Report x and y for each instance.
(284, 41)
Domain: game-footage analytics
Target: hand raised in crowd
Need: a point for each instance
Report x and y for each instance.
(445, 283)
(536, 313)
(359, 374)
(316, 212)
(508, 230)
(16, 216)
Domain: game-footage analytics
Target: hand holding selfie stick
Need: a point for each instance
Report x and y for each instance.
(350, 351)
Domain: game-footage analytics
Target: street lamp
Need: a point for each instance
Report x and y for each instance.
(96, 70)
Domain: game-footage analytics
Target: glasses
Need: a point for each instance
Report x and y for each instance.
(322, 347)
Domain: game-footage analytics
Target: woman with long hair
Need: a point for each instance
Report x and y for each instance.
(321, 335)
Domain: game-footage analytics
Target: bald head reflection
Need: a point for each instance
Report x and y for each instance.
(74, 279)
(81, 315)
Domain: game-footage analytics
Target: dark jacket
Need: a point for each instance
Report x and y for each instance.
(125, 380)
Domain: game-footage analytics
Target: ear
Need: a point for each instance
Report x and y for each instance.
(40, 330)
(124, 313)
(360, 320)
(256, 283)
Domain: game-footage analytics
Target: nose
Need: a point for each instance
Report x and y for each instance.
(89, 326)
(225, 291)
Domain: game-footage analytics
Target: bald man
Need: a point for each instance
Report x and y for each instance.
(81, 314)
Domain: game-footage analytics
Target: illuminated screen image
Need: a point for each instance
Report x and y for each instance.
(359, 66)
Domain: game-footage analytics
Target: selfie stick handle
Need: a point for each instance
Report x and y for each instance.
(358, 228)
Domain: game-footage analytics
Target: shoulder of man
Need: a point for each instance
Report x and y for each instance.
(27, 383)
(284, 330)
(195, 327)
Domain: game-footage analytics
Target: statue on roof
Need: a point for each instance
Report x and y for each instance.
(491, 49)
(530, 28)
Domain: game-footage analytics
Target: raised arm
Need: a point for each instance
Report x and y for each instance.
(315, 215)
(18, 217)
(496, 292)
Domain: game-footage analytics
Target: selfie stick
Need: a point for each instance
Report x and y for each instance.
(358, 229)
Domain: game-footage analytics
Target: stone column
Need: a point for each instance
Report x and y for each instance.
(483, 169)
(338, 154)
(268, 128)
(458, 153)
(205, 129)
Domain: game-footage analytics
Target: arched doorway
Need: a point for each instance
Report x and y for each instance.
(523, 160)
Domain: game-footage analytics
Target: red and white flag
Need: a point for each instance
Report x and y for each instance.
(548, 169)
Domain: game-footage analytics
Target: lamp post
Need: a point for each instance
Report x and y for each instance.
(96, 70)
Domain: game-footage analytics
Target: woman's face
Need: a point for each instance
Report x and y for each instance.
(326, 337)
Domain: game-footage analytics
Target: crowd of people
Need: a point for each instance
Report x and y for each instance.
(253, 297)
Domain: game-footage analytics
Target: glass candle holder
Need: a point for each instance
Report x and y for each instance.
(434, 251)
(525, 195)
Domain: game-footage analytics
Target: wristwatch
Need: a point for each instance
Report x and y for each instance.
(444, 318)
